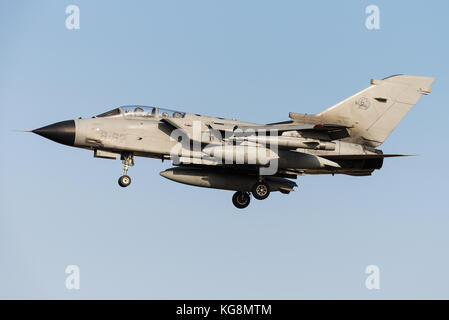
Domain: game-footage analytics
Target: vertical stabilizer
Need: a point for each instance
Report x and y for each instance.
(374, 112)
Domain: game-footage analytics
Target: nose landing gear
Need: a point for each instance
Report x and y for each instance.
(127, 160)
(124, 181)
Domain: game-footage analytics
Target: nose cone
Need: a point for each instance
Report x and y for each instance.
(62, 132)
(166, 174)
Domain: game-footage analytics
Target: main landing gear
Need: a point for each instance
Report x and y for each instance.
(260, 191)
(127, 160)
(241, 199)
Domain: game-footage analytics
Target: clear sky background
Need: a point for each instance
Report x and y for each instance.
(253, 60)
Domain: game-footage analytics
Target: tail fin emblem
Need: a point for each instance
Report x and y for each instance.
(363, 103)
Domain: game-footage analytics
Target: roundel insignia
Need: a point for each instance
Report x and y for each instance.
(363, 103)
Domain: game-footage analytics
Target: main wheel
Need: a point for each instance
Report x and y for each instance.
(261, 190)
(124, 181)
(241, 199)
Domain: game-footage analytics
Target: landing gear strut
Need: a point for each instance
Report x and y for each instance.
(127, 160)
(260, 190)
(241, 199)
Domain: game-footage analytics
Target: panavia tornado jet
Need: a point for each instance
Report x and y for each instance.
(249, 158)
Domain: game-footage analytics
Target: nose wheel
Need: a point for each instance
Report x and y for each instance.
(127, 160)
(241, 199)
(124, 181)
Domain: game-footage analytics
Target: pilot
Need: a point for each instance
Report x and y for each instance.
(138, 111)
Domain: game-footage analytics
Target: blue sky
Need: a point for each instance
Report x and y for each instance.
(253, 60)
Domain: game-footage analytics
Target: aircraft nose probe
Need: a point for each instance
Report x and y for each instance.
(61, 132)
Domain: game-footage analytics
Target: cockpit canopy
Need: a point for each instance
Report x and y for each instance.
(137, 111)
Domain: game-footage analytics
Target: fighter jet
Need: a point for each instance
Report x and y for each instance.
(249, 158)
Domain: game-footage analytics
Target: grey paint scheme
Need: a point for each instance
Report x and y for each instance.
(341, 139)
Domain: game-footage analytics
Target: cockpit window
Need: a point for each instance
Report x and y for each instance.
(150, 112)
(110, 113)
(142, 112)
